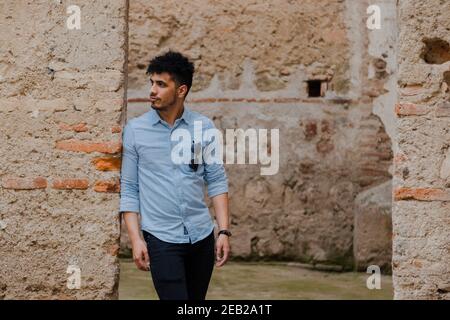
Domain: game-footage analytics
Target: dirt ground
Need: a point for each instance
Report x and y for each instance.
(262, 280)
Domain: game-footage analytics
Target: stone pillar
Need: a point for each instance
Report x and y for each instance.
(421, 211)
(62, 98)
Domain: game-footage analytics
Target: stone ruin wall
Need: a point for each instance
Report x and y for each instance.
(330, 202)
(62, 108)
(61, 112)
(421, 220)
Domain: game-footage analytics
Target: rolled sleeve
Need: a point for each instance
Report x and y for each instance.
(214, 175)
(129, 186)
(217, 185)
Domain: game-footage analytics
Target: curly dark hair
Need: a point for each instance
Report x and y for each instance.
(174, 63)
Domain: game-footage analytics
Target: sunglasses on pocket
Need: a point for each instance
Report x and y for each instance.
(193, 165)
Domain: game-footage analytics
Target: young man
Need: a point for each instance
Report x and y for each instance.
(165, 199)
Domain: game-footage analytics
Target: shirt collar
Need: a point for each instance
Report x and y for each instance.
(155, 118)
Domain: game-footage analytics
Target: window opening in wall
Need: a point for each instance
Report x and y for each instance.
(316, 88)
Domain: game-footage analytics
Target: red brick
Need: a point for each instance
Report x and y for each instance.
(80, 127)
(417, 263)
(113, 250)
(89, 146)
(421, 194)
(108, 186)
(327, 127)
(324, 146)
(24, 183)
(410, 109)
(116, 129)
(399, 158)
(68, 184)
(65, 126)
(443, 109)
(310, 129)
(107, 164)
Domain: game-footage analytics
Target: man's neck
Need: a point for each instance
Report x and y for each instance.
(172, 114)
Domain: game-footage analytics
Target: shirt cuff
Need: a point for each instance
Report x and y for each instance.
(129, 206)
(217, 188)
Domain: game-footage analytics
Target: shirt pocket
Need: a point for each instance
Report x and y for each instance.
(152, 155)
(190, 172)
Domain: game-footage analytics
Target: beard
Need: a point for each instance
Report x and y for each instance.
(164, 106)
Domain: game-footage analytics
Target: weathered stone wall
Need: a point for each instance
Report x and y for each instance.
(372, 243)
(253, 63)
(421, 220)
(278, 36)
(61, 104)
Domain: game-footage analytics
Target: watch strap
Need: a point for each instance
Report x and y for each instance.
(225, 232)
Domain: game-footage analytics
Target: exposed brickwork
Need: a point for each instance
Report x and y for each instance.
(116, 129)
(24, 183)
(80, 127)
(62, 99)
(112, 186)
(421, 194)
(421, 185)
(410, 109)
(107, 164)
(66, 184)
(443, 109)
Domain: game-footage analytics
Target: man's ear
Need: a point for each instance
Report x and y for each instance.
(182, 91)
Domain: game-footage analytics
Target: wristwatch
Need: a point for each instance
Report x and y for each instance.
(225, 232)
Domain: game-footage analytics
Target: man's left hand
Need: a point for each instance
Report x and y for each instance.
(222, 250)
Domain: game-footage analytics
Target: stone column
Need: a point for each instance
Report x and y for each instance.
(421, 211)
(62, 84)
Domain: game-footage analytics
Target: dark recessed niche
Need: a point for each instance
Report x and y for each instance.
(447, 79)
(315, 88)
(435, 51)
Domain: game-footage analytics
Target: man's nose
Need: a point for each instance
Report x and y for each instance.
(153, 91)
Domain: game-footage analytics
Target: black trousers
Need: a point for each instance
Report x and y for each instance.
(181, 271)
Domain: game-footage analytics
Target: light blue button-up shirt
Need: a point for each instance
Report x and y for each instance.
(169, 196)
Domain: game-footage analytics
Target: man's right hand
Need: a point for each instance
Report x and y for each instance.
(140, 255)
